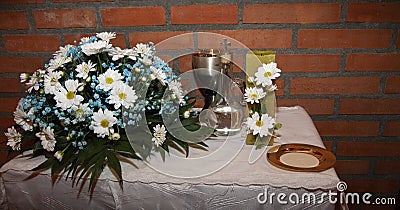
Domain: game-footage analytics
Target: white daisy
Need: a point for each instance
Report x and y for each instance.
(95, 47)
(24, 77)
(102, 122)
(116, 136)
(176, 88)
(85, 40)
(116, 53)
(33, 84)
(35, 79)
(254, 94)
(266, 73)
(62, 52)
(123, 95)
(51, 84)
(14, 138)
(272, 88)
(106, 36)
(142, 49)
(47, 138)
(59, 155)
(22, 118)
(67, 97)
(159, 135)
(109, 79)
(58, 61)
(131, 54)
(147, 61)
(260, 126)
(186, 114)
(82, 111)
(84, 68)
(250, 79)
(158, 74)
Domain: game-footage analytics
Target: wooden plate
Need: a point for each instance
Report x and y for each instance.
(301, 157)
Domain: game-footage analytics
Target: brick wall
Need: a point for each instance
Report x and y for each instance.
(341, 61)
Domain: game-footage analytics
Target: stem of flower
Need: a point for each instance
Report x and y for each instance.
(65, 149)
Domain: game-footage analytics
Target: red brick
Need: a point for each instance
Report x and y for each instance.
(308, 63)
(11, 85)
(373, 62)
(13, 20)
(167, 58)
(31, 43)
(177, 42)
(369, 106)
(398, 40)
(249, 39)
(20, 64)
(335, 85)
(387, 167)
(372, 186)
(373, 12)
(3, 141)
(6, 122)
(368, 149)
(328, 145)
(291, 13)
(133, 16)
(352, 166)
(199, 103)
(344, 38)
(204, 14)
(185, 63)
(65, 18)
(8, 104)
(5, 157)
(119, 40)
(392, 128)
(347, 128)
(392, 84)
(312, 106)
(22, 1)
(280, 83)
(238, 62)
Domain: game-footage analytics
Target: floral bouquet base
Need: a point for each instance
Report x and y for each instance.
(78, 110)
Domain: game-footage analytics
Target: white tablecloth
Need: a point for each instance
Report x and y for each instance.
(235, 186)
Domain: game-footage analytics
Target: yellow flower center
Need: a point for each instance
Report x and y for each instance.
(70, 95)
(104, 123)
(85, 69)
(109, 80)
(122, 96)
(259, 123)
(79, 111)
(53, 80)
(267, 74)
(254, 96)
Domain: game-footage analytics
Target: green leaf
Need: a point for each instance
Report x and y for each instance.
(277, 126)
(261, 141)
(44, 166)
(114, 164)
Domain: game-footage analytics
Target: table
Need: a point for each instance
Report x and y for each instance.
(235, 186)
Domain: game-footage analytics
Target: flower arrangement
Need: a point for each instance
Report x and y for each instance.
(77, 110)
(259, 124)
